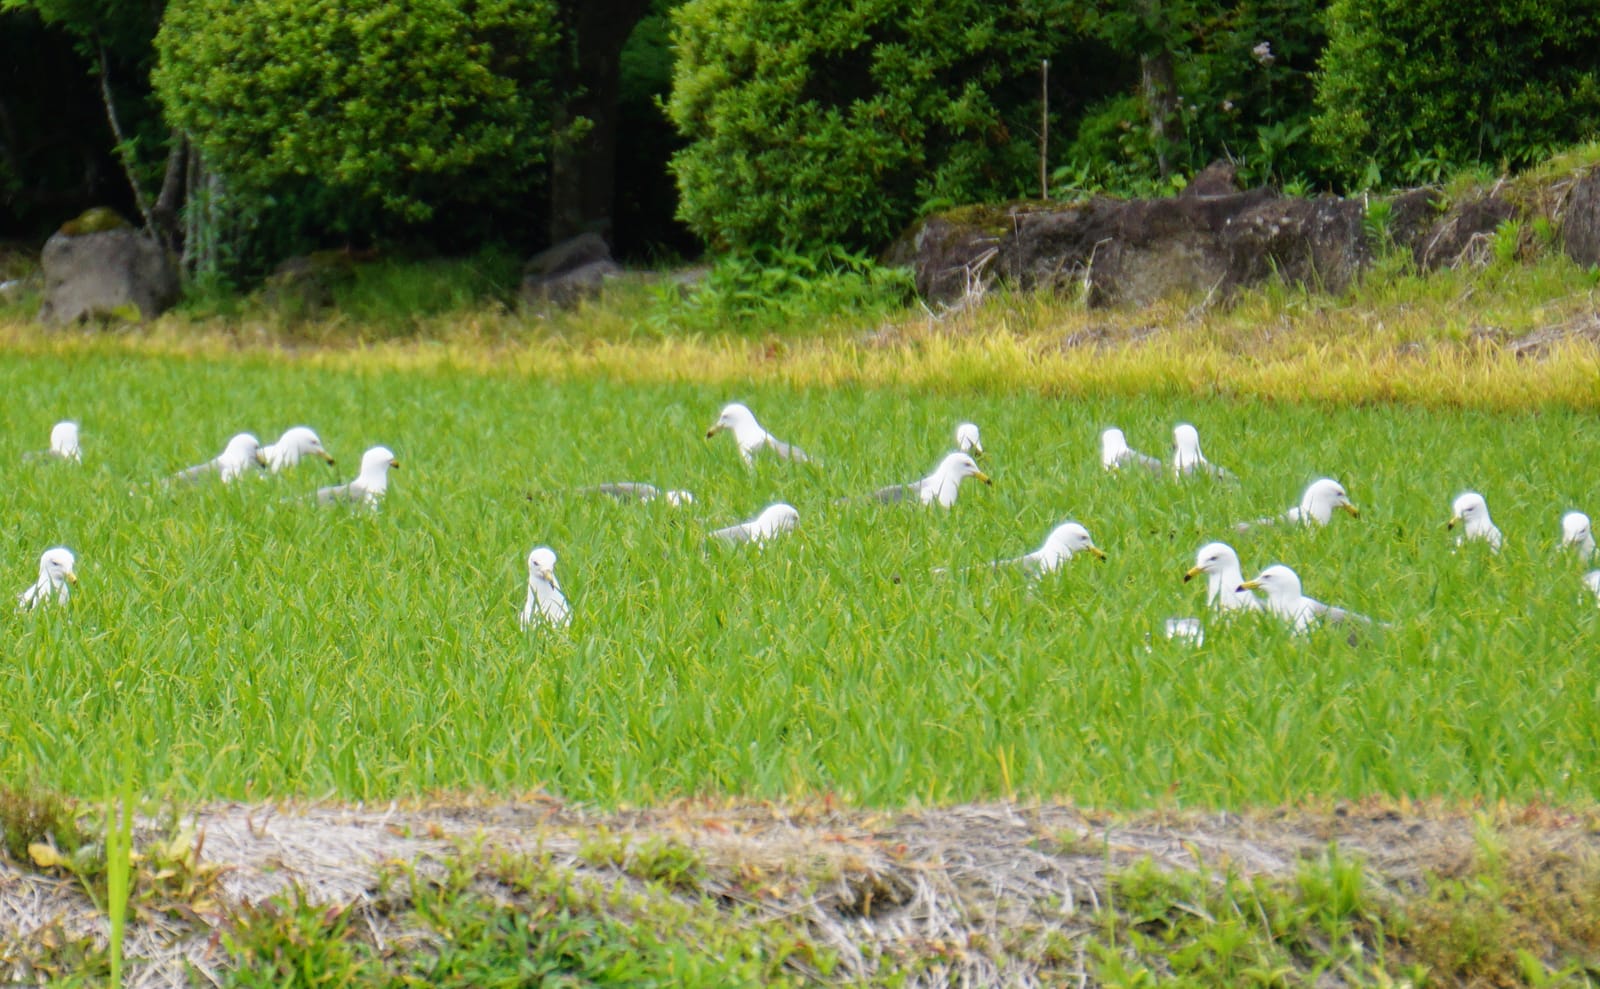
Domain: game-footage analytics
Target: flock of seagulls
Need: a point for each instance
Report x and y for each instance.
(1281, 593)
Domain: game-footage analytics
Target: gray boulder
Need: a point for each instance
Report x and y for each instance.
(568, 272)
(1580, 224)
(96, 266)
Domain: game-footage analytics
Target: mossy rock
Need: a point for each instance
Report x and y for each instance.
(303, 286)
(96, 220)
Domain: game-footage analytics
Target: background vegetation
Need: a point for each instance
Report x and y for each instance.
(758, 126)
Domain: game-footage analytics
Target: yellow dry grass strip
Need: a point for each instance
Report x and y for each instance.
(1447, 350)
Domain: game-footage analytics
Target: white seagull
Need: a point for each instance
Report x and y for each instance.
(1472, 512)
(941, 486)
(1220, 564)
(1284, 599)
(750, 436)
(63, 444)
(637, 491)
(369, 485)
(295, 443)
(773, 520)
(241, 452)
(1064, 540)
(967, 440)
(56, 576)
(1316, 507)
(1591, 580)
(1115, 453)
(1576, 533)
(545, 601)
(1186, 455)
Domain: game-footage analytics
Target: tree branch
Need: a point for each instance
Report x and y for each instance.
(123, 148)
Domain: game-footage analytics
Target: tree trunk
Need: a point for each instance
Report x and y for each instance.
(588, 78)
(1159, 88)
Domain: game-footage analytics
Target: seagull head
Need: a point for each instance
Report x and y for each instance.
(64, 440)
(1575, 531)
(775, 519)
(542, 567)
(242, 449)
(1112, 445)
(967, 440)
(1186, 442)
(298, 442)
(375, 464)
(1471, 511)
(958, 466)
(736, 417)
(56, 567)
(1279, 582)
(1069, 538)
(1322, 497)
(1216, 559)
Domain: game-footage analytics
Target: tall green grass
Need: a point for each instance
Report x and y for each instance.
(241, 641)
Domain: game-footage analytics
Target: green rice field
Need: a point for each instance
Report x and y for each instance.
(242, 642)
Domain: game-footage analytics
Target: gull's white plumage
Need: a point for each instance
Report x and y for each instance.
(1317, 505)
(64, 442)
(1591, 580)
(56, 577)
(1472, 513)
(1064, 541)
(1186, 455)
(967, 440)
(370, 484)
(241, 453)
(295, 443)
(1224, 576)
(1286, 600)
(1115, 453)
(941, 487)
(545, 601)
(749, 435)
(772, 522)
(1577, 534)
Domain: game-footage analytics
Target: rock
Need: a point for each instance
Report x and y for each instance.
(1220, 178)
(107, 269)
(302, 286)
(1580, 222)
(568, 272)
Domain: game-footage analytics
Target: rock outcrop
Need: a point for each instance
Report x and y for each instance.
(568, 272)
(98, 265)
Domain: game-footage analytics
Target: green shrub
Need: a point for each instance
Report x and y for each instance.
(1410, 89)
(836, 121)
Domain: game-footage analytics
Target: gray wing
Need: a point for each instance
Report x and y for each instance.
(624, 490)
(337, 492)
(898, 492)
(1144, 460)
(196, 472)
(1335, 616)
(732, 534)
(787, 451)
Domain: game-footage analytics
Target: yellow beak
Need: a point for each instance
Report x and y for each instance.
(1191, 574)
(1249, 585)
(1097, 552)
(714, 430)
(72, 578)
(1452, 523)
(1355, 513)
(980, 475)
(394, 463)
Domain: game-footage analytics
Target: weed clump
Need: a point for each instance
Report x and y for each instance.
(30, 816)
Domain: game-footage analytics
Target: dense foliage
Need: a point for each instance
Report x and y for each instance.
(1413, 88)
(402, 108)
(835, 121)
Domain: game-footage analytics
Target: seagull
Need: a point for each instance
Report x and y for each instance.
(1186, 455)
(967, 439)
(1473, 513)
(637, 491)
(1575, 532)
(774, 519)
(291, 446)
(1220, 564)
(750, 436)
(1591, 580)
(63, 444)
(55, 576)
(1316, 506)
(941, 486)
(1186, 630)
(234, 460)
(545, 602)
(1064, 540)
(1285, 600)
(369, 485)
(1115, 453)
